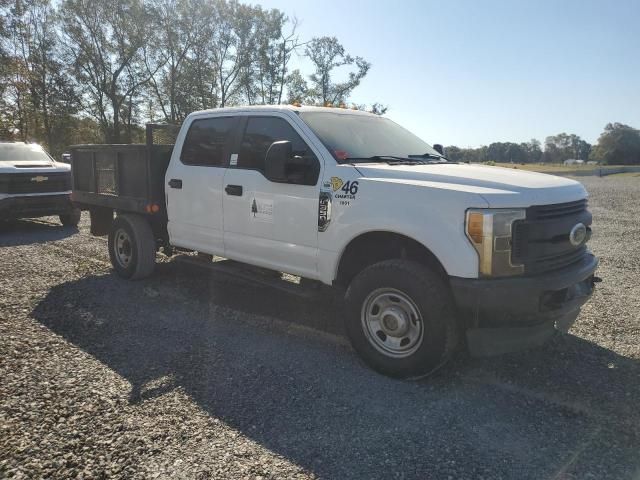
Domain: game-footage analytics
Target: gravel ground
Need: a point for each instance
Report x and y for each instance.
(195, 375)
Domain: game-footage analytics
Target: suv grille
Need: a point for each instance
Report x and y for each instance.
(541, 241)
(44, 182)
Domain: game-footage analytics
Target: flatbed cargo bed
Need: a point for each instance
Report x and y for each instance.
(128, 178)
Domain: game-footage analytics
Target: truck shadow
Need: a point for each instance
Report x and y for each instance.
(244, 356)
(32, 231)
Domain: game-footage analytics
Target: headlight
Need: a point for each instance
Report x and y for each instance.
(490, 232)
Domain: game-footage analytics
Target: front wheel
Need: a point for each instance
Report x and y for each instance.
(132, 247)
(71, 219)
(401, 318)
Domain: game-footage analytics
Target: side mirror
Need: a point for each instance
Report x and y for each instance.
(278, 155)
(438, 148)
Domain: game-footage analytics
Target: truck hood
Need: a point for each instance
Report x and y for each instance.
(499, 187)
(16, 166)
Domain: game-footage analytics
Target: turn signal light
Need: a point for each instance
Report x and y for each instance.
(490, 231)
(474, 227)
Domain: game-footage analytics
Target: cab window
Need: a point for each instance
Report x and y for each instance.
(207, 142)
(260, 133)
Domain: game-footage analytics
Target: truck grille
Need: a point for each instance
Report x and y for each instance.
(43, 182)
(541, 241)
(558, 210)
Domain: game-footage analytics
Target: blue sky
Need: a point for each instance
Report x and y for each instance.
(468, 72)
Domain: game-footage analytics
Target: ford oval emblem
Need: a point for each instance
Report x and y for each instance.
(578, 234)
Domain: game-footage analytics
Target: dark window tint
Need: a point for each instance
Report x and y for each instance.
(258, 136)
(207, 141)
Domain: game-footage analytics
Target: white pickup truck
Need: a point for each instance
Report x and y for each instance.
(32, 184)
(430, 254)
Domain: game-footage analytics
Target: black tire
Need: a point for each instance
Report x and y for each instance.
(71, 219)
(417, 289)
(131, 238)
(205, 257)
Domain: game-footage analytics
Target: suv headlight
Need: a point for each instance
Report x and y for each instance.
(490, 232)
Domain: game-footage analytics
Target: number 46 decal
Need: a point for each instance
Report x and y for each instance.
(350, 187)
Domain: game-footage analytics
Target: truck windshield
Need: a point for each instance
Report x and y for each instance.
(352, 136)
(18, 152)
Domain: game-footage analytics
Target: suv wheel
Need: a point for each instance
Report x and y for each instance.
(71, 219)
(401, 318)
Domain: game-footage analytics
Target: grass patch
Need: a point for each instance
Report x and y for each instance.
(548, 167)
(559, 168)
(625, 174)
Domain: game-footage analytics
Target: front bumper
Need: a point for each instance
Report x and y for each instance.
(508, 314)
(32, 206)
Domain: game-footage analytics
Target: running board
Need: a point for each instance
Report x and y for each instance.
(261, 276)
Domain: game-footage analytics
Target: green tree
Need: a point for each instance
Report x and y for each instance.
(180, 26)
(469, 155)
(40, 95)
(234, 38)
(533, 150)
(88, 66)
(264, 75)
(104, 42)
(297, 88)
(4, 34)
(455, 154)
(326, 55)
(198, 86)
(506, 152)
(618, 144)
(379, 109)
(558, 148)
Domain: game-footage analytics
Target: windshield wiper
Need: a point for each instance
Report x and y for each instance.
(390, 159)
(439, 158)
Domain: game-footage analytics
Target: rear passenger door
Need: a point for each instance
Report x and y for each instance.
(270, 224)
(193, 184)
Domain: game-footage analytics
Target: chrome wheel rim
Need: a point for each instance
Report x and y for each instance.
(123, 248)
(392, 323)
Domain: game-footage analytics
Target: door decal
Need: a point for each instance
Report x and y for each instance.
(261, 209)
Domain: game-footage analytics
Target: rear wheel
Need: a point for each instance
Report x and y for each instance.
(132, 247)
(401, 318)
(71, 219)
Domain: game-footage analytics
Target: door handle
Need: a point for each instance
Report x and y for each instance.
(234, 190)
(175, 183)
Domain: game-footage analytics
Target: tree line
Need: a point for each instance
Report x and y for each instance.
(79, 71)
(84, 71)
(618, 144)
